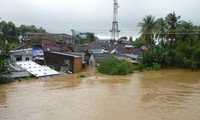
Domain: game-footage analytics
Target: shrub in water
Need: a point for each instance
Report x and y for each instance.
(114, 66)
(82, 75)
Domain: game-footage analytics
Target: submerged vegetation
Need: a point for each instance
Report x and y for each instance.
(82, 75)
(5, 72)
(114, 66)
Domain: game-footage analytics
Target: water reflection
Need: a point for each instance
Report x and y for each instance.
(166, 94)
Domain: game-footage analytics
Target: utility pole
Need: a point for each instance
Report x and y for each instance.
(115, 31)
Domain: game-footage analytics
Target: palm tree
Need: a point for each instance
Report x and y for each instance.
(161, 28)
(187, 32)
(148, 28)
(172, 21)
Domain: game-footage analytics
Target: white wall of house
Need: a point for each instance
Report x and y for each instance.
(92, 61)
(21, 55)
(23, 58)
(96, 50)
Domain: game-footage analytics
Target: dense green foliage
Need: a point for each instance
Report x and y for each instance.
(138, 43)
(114, 66)
(188, 56)
(92, 37)
(13, 34)
(157, 55)
(178, 41)
(5, 74)
(142, 67)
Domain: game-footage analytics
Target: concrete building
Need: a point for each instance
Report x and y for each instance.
(21, 55)
(64, 62)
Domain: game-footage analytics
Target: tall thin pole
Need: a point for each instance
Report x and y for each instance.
(115, 31)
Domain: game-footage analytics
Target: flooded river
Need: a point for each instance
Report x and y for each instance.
(154, 95)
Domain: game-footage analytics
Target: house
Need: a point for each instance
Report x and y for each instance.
(137, 51)
(60, 41)
(64, 62)
(38, 37)
(147, 47)
(21, 55)
(55, 46)
(24, 45)
(85, 56)
(34, 54)
(104, 41)
(80, 47)
(127, 58)
(113, 47)
(95, 57)
(98, 47)
(130, 57)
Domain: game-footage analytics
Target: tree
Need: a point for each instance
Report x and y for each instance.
(138, 42)
(161, 28)
(172, 22)
(9, 32)
(148, 28)
(131, 39)
(91, 37)
(23, 29)
(5, 74)
(187, 33)
(157, 55)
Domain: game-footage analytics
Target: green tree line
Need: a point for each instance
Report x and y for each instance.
(178, 41)
(10, 33)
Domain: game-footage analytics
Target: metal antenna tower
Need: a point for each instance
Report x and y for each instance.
(115, 31)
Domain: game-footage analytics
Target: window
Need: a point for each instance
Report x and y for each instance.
(19, 58)
(27, 58)
(66, 62)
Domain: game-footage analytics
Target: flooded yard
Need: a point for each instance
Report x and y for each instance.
(171, 94)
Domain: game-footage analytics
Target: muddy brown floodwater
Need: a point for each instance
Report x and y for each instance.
(154, 95)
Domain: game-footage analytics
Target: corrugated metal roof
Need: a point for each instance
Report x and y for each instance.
(67, 54)
(36, 69)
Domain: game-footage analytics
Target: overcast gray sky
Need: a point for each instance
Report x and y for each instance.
(60, 16)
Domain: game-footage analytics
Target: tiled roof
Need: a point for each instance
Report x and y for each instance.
(123, 51)
(98, 56)
(137, 51)
(98, 45)
(115, 46)
(20, 46)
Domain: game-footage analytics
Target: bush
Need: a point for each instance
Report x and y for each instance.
(138, 43)
(161, 56)
(188, 56)
(142, 67)
(114, 66)
(156, 66)
(139, 67)
(5, 73)
(5, 79)
(82, 75)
